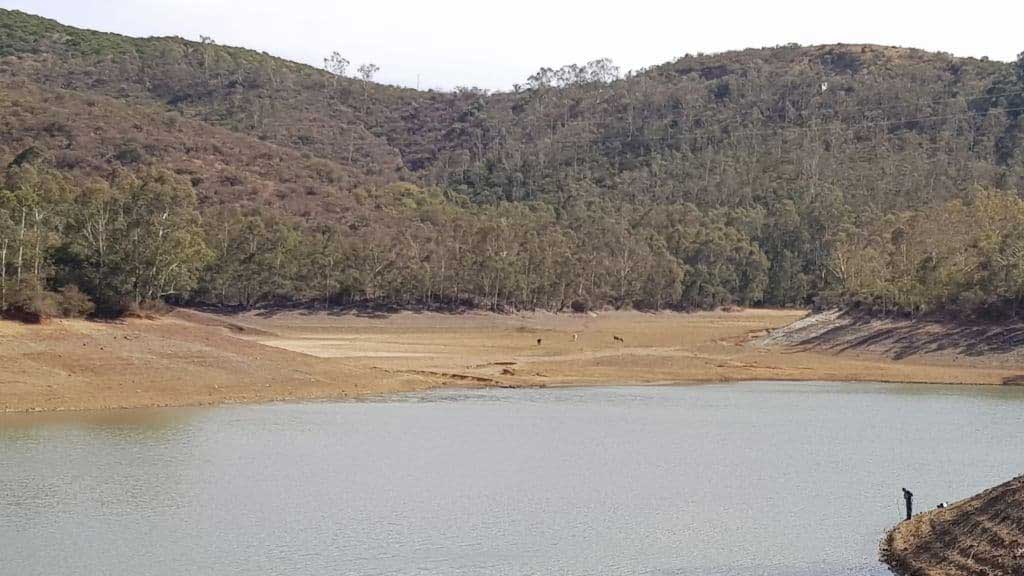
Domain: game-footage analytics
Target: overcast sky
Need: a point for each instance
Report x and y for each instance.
(448, 43)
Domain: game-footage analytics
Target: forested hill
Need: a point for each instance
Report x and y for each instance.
(779, 176)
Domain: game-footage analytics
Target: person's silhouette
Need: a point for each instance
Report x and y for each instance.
(908, 497)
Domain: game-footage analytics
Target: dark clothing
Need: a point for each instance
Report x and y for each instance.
(908, 497)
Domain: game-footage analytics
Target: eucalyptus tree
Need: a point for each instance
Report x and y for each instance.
(336, 65)
(366, 73)
(160, 244)
(7, 232)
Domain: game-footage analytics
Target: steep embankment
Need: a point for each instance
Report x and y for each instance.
(928, 341)
(980, 536)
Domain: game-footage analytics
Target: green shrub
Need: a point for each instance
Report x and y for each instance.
(130, 153)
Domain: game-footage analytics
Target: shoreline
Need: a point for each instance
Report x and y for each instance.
(198, 359)
(373, 396)
(975, 536)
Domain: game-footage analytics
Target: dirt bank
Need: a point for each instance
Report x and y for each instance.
(193, 358)
(980, 536)
(931, 341)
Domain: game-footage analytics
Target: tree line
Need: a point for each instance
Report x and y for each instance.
(71, 247)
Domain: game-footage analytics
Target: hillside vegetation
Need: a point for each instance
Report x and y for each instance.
(142, 169)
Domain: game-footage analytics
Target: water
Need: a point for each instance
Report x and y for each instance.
(747, 479)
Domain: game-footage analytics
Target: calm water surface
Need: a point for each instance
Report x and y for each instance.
(745, 479)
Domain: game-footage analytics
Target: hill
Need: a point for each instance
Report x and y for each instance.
(978, 536)
(775, 176)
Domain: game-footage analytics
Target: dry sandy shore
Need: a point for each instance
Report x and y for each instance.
(193, 358)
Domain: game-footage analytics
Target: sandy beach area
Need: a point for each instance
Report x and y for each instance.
(194, 358)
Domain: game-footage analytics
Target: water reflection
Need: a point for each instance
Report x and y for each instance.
(142, 421)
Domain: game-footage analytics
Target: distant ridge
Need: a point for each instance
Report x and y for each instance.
(788, 176)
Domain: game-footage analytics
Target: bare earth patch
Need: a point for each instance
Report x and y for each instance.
(194, 358)
(980, 536)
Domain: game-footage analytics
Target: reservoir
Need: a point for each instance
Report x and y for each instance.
(759, 478)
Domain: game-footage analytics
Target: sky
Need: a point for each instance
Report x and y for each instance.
(443, 44)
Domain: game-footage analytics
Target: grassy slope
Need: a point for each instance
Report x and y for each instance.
(382, 134)
(85, 134)
(368, 126)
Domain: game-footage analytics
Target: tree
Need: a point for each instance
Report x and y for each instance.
(156, 240)
(601, 70)
(207, 44)
(38, 202)
(257, 257)
(366, 72)
(337, 65)
(663, 278)
(95, 231)
(7, 230)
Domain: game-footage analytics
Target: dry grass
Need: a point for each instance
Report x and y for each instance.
(980, 536)
(193, 358)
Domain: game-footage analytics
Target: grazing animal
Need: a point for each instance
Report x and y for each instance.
(575, 337)
(618, 339)
(538, 341)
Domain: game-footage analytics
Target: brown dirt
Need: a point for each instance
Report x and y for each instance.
(184, 359)
(980, 536)
(997, 344)
(194, 358)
